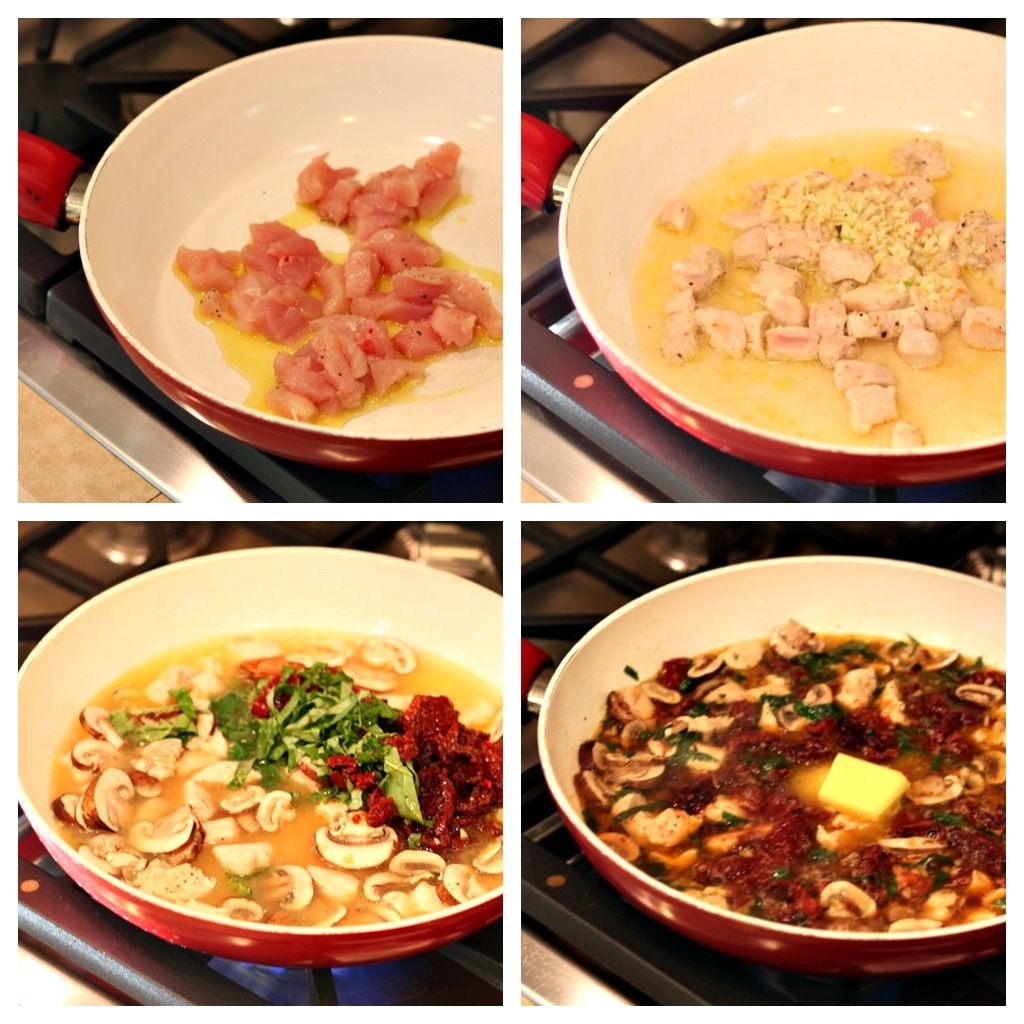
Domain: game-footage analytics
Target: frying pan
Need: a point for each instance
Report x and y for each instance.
(226, 595)
(829, 594)
(790, 84)
(223, 151)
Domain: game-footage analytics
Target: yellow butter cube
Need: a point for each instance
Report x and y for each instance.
(860, 788)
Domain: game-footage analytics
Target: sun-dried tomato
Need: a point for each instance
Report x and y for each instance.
(380, 809)
(673, 672)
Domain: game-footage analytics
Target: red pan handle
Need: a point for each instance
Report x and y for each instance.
(544, 151)
(532, 661)
(45, 174)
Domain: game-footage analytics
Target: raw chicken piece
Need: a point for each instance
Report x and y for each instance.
(798, 344)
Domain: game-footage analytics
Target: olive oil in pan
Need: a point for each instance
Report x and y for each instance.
(960, 401)
(252, 355)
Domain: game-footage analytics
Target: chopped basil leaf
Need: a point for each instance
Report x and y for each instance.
(631, 672)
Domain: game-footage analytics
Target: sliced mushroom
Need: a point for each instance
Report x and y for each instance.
(243, 799)
(935, 789)
(640, 771)
(633, 732)
(842, 899)
(490, 860)
(793, 638)
(913, 844)
(376, 680)
(790, 719)
(416, 862)
(96, 722)
(459, 884)
(744, 655)
(659, 693)
(104, 802)
(275, 810)
(240, 909)
(387, 652)
(818, 695)
(992, 765)
(909, 655)
(177, 837)
(980, 694)
(115, 852)
(289, 886)
(381, 883)
(593, 791)
(705, 666)
(705, 725)
(352, 843)
(93, 755)
(629, 704)
(65, 808)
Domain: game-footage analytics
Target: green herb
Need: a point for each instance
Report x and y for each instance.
(685, 750)
(820, 665)
(657, 805)
(907, 740)
(147, 725)
(821, 855)
(631, 672)
(732, 820)
(949, 819)
(311, 715)
(816, 712)
(782, 872)
(236, 884)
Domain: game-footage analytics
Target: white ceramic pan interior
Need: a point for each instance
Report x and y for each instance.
(224, 151)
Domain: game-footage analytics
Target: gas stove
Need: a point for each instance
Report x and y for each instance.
(80, 82)
(71, 950)
(601, 441)
(582, 943)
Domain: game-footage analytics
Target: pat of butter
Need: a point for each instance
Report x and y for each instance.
(861, 788)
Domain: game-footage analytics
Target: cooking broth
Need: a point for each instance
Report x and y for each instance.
(478, 706)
